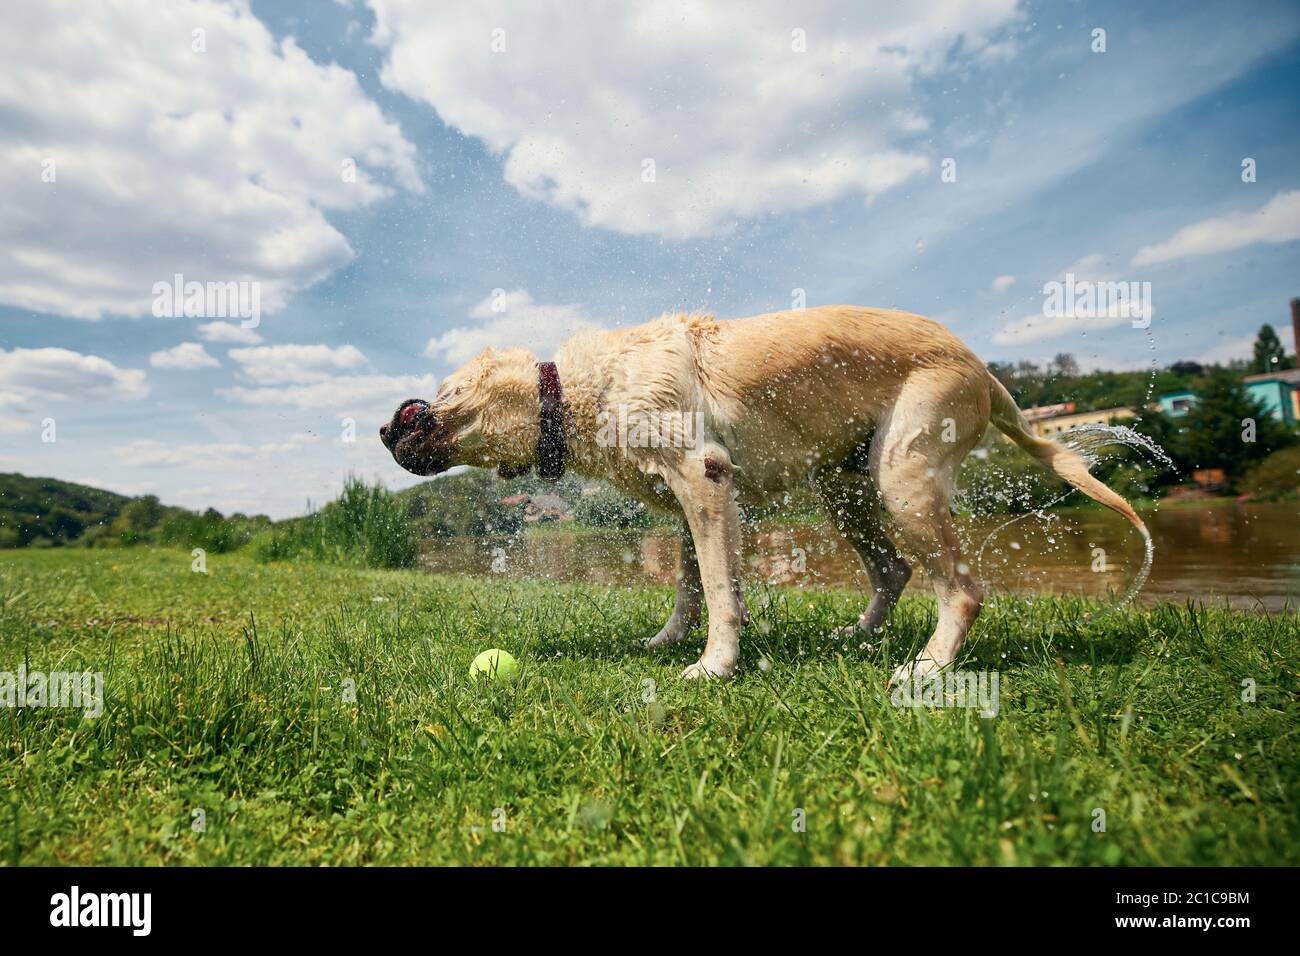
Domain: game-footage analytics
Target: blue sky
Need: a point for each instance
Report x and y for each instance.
(521, 171)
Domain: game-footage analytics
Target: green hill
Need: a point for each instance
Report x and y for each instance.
(46, 512)
(57, 512)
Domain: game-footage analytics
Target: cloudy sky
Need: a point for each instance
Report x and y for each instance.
(400, 187)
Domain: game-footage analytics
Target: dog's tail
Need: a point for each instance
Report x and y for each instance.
(1069, 464)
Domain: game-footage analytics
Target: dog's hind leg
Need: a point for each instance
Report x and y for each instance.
(704, 488)
(686, 607)
(854, 505)
(914, 459)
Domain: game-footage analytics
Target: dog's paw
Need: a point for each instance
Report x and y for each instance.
(921, 667)
(667, 636)
(708, 671)
(850, 632)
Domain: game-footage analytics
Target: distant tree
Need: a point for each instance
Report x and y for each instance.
(1005, 373)
(1065, 366)
(1167, 434)
(1269, 354)
(138, 520)
(1187, 368)
(1215, 431)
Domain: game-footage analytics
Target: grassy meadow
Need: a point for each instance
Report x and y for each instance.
(230, 734)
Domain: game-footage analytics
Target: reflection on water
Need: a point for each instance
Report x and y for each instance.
(1246, 554)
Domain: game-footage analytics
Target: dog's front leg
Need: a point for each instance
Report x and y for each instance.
(704, 489)
(686, 607)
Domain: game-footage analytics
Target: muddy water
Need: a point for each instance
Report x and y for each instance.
(1247, 555)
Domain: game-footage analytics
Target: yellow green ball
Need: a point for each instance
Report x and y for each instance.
(494, 664)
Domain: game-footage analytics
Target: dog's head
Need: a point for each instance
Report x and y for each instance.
(418, 439)
(483, 414)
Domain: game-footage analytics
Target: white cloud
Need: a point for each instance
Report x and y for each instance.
(511, 319)
(220, 165)
(150, 453)
(1036, 328)
(1080, 313)
(295, 364)
(737, 123)
(187, 355)
(120, 487)
(60, 374)
(374, 395)
(1277, 221)
(1003, 283)
(307, 377)
(228, 332)
(1226, 349)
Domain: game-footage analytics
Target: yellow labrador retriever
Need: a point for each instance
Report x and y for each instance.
(692, 416)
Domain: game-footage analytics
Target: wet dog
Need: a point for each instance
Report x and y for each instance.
(878, 407)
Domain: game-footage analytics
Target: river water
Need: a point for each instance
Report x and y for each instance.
(1247, 555)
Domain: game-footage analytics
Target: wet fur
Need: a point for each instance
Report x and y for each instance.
(879, 407)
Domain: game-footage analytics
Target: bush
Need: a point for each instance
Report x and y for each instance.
(606, 508)
(209, 531)
(100, 536)
(1276, 477)
(1000, 478)
(367, 526)
(463, 504)
(282, 542)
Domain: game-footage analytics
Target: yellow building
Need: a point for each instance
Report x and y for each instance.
(1052, 419)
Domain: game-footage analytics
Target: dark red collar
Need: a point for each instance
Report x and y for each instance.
(552, 449)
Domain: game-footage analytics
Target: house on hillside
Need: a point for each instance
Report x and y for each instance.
(1278, 391)
(537, 508)
(1177, 404)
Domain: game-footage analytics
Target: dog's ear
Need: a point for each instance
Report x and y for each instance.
(507, 472)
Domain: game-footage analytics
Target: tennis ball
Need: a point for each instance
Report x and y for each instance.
(493, 664)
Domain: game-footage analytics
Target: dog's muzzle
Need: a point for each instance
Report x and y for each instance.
(411, 437)
(406, 419)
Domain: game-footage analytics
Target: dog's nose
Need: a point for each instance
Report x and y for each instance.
(383, 433)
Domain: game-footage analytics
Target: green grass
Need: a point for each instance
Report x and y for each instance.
(225, 693)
